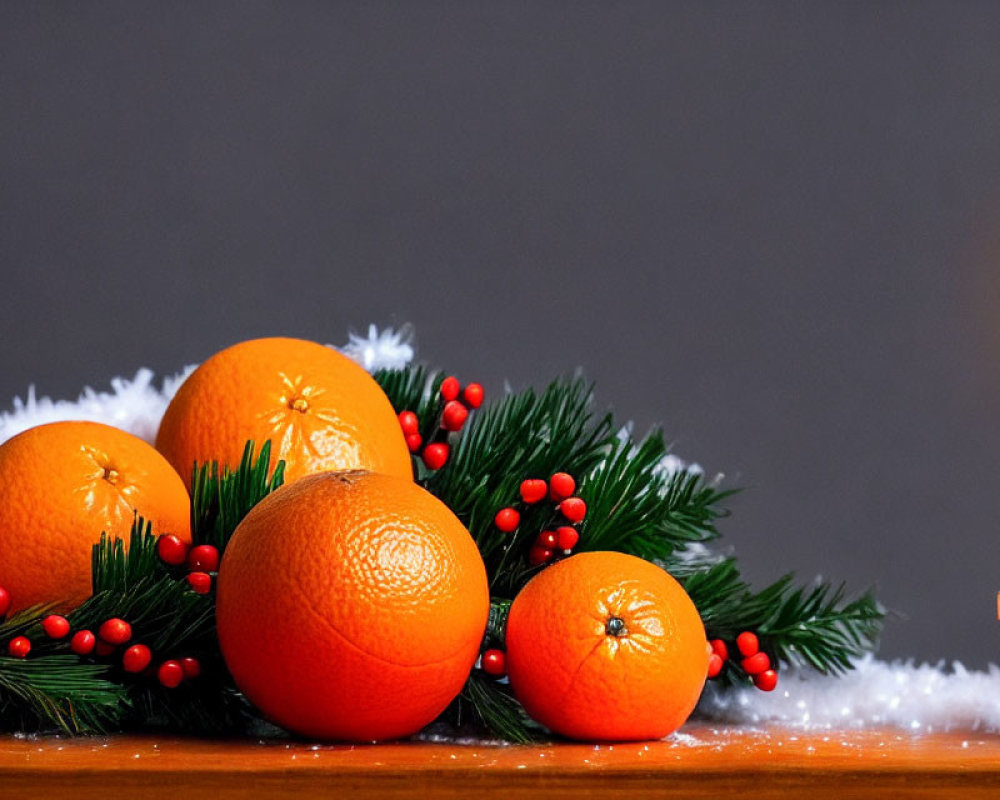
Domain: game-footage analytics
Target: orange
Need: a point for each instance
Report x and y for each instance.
(63, 484)
(606, 646)
(320, 410)
(351, 605)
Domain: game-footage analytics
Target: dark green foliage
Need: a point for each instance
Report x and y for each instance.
(221, 498)
(164, 612)
(485, 703)
(59, 692)
(415, 389)
(636, 507)
(114, 570)
(49, 691)
(524, 435)
(817, 627)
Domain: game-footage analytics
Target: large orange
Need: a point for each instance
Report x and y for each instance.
(606, 646)
(351, 605)
(62, 485)
(320, 410)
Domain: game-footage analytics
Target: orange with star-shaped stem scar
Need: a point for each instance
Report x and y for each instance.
(319, 409)
(606, 646)
(63, 484)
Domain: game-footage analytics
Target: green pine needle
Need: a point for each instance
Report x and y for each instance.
(220, 499)
(115, 569)
(415, 389)
(59, 692)
(635, 507)
(493, 707)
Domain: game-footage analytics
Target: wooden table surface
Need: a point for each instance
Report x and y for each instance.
(702, 762)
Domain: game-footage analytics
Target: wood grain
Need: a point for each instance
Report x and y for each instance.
(703, 762)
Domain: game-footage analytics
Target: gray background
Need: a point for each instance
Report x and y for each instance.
(774, 228)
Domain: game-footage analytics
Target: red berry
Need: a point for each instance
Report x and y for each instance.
(4, 601)
(436, 455)
(562, 485)
(203, 558)
(495, 663)
(719, 647)
(747, 644)
(450, 388)
(756, 664)
(539, 555)
(573, 508)
(83, 643)
(191, 667)
(413, 442)
(547, 540)
(409, 422)
(136, 658)
(115, 631)
(170, 674)
(200, 582)
(19, 646)
(172, 550)
(766, 681)
(473, 395)
(55, 626)
(454, 416)
(714, 665)
(567, 537)
(103, 648)
(507, 520)
(533, 490)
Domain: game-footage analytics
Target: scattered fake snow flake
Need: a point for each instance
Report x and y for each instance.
(671, 465)
(136, 405)
(918, 697)
(903, 695)
(390, 349)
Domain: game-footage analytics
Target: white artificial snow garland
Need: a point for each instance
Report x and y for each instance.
(917, 697)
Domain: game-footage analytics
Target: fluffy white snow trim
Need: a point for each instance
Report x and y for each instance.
(917, 697)
(136, 404)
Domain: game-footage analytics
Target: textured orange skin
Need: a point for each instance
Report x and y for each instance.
(252, 390)
(580, 681)
(351, 606)
(59, 495)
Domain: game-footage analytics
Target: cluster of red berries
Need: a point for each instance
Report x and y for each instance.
(451, 419)
(559, 490)
(201, 560)
(111, 635)
(755, 662)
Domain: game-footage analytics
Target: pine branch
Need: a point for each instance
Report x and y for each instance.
(52, 691)
(519, 436)
(814, 627)
(817, 627)
(220, 499)
(59, 692)
(634, 506)
(491, 706)
(115, 569)
(415, 389)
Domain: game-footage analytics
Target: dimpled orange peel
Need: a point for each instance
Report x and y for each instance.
(351, 605)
